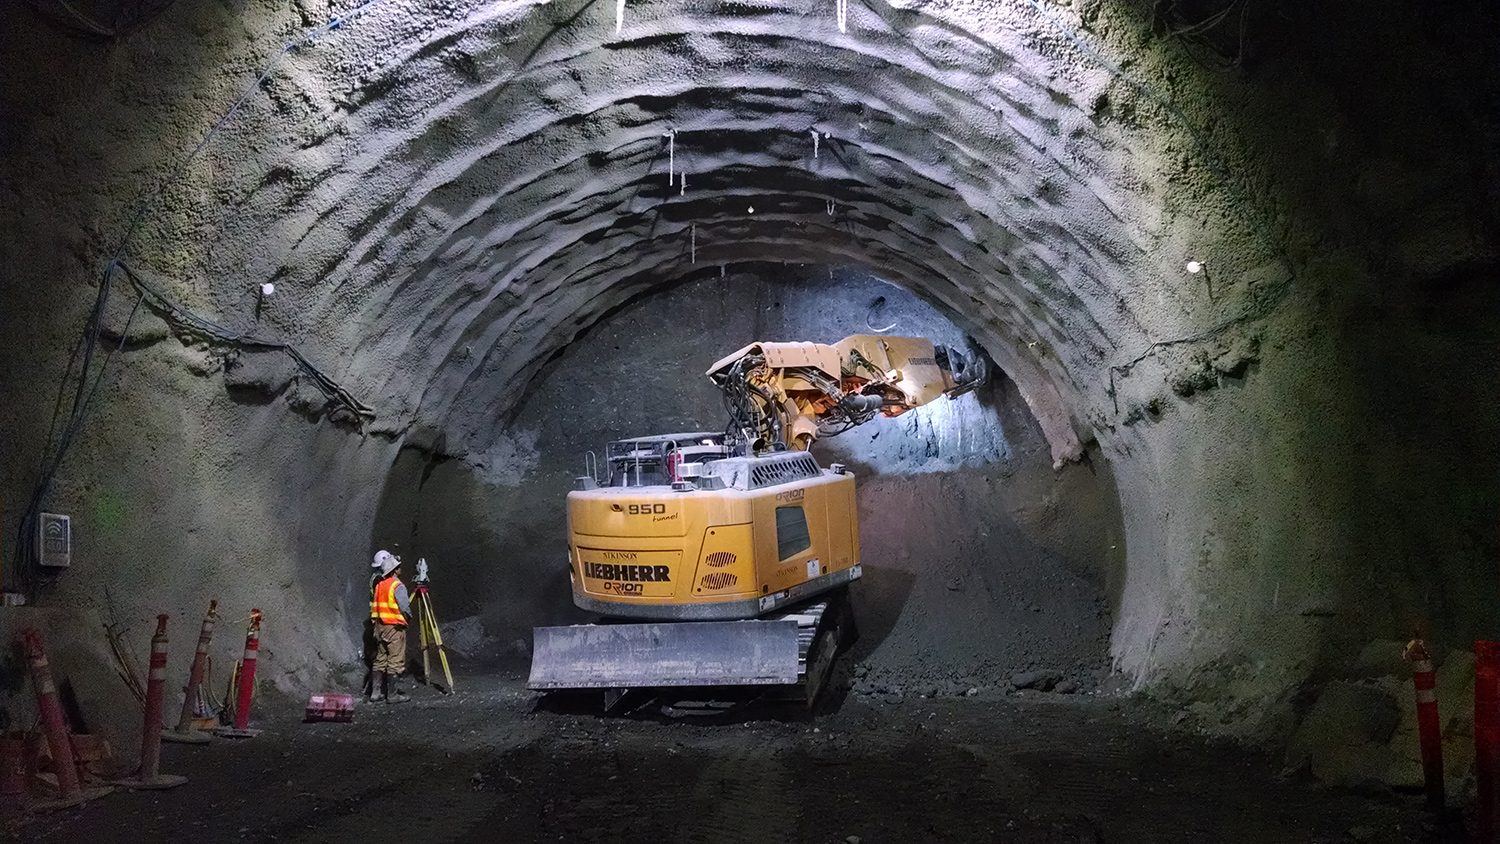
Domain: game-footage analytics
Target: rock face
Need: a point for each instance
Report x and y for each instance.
(1364, 731)
(1299, 425)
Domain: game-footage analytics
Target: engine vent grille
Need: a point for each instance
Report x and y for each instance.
(766, 470)
(719, 559)
(719, 580)
(783, 470)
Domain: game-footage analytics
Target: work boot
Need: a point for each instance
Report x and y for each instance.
(396, 695)
(377, 687)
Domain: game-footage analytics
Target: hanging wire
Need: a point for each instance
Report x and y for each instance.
(1199, 37)
(125, 17)
(173, 312)
(1273, 295)
(27, 575)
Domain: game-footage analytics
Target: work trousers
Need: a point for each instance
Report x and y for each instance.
(390, 648)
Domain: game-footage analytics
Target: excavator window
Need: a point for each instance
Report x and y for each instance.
(791, 532)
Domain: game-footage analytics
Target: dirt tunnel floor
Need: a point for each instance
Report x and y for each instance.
(486, 766)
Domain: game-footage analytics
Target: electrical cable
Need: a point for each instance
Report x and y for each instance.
(27, 558)
(870, 316)
(174, 312)
(127, 17)
(1198, 35)
(85, 23)
(1206, 24)
(82, 398)
(1274, 294)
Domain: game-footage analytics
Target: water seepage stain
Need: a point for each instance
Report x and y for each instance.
(109, 510)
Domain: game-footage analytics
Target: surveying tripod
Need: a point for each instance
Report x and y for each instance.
(427, 627)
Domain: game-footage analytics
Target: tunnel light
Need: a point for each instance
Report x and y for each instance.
(1194, 267)
(750, 210)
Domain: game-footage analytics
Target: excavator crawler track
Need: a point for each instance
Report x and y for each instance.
(698, 667)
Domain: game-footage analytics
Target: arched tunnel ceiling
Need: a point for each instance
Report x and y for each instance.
(457, 195)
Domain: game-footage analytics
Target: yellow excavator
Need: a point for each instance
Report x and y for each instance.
(730, 552)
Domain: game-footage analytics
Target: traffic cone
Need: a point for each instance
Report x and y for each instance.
(151, 776)
(185, 733)
(241, 728)
(1429, 728)
(1486, 734)
(49, 709)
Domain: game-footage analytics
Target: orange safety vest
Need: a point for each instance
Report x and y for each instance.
(384, 608)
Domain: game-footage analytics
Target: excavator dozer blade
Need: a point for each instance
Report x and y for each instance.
(634, 656)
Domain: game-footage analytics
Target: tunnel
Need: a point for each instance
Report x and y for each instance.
(292, 283)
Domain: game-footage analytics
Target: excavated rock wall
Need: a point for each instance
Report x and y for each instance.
(445, 196)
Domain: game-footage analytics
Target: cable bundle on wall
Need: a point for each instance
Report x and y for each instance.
(173, 312)
(27, 556)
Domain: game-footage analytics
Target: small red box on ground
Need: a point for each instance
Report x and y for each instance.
(330, 707)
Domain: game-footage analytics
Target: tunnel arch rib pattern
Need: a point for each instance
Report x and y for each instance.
(478, 187)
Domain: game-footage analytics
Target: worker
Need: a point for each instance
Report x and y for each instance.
(390, 607)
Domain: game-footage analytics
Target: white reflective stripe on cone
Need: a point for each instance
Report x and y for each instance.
(158, 673)
(1426, 695)
(47, 688)
(1422, 666)
(250, 653)
(159, 647)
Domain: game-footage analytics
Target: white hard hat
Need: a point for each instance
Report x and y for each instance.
(385, 561)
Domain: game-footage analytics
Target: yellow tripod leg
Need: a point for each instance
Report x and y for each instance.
(422, 631)
(437, 640)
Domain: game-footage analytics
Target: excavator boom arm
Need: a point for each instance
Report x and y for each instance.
(786, 395)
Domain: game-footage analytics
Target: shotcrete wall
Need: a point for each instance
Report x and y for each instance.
(1303, 434)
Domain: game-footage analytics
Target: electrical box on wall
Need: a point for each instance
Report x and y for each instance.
(55, 541)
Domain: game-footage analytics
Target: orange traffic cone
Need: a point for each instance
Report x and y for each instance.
(151, 776)
(241, 728)
(185, 731)
(49, 707)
